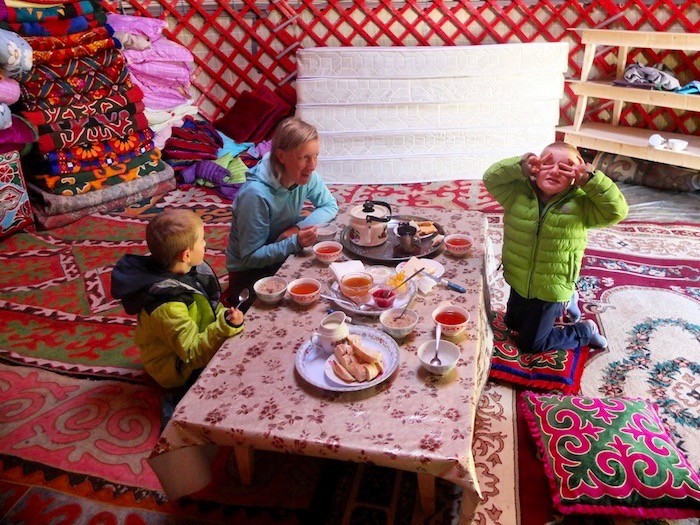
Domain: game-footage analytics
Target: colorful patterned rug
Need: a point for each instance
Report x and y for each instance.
(78, 415)
(640, 281)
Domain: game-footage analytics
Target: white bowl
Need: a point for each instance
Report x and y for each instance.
(326, 232)
(322, 251)
(270, 289)
(458, 244)
(450, 329)
(304, 298)
(408, 322)
(677, 144)
(448, 353)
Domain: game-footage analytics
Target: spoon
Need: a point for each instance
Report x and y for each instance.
(438, 332)
(406, 307)
(362, 307)
(242, 297)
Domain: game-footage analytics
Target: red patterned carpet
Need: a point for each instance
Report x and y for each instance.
(78, 415)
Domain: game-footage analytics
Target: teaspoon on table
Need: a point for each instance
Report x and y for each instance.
(362, 307)
(438, 332)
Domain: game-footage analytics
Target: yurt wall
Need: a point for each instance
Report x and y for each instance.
(240, 44)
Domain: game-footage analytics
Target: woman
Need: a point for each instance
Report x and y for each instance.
(267, 224)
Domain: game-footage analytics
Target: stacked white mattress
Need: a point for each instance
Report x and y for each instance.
(414, 114)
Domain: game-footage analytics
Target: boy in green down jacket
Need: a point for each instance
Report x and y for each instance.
(181, 323)
(550, 202)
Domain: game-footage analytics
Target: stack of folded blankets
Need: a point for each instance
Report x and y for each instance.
(160, 67)
(95, 150)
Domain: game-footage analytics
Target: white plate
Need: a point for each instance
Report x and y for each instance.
(311, 361)
(433, 267)
(399, 302)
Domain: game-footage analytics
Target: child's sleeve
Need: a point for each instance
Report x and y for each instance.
(504, 180)
(604, 204)
(191, 345)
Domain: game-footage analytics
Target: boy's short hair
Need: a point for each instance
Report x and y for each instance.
(563, 146)
(290, 134)
(171, 232)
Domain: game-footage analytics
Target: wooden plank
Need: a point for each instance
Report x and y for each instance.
(650, 39)
(633, 142)
(604, 89)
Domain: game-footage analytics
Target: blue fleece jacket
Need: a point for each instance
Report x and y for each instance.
(263, 209)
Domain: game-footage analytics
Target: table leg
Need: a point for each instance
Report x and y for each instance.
(426, 492)
(244, 464)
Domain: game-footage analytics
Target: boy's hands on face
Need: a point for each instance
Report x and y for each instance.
(540, 164)
(577, 172)
(234, 316)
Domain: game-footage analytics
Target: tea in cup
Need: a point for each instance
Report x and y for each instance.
(332, 330)
(458, 244)
(453, 319)
(356, 286)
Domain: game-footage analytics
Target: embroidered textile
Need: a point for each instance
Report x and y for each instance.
(75, 66)
(108, 125)
(87, 104)
(84, 181)
(96, 150)
(54, 43)
(65, 54)
(88, 80)
(56, 27)
(63, 12)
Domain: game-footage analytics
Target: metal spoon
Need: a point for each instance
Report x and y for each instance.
(438, 332)
(242, 297)
(362, 307)
(406, 307)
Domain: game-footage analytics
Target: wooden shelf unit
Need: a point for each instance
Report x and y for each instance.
(620, 139)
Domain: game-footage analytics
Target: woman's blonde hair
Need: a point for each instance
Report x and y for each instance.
(171, 232)
(290, 134)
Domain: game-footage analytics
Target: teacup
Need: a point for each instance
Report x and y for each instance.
(453, 319)
(332, 330)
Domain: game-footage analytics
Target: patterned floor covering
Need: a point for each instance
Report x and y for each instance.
(78, 415)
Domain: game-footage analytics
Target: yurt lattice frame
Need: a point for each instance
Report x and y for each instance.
(240, 44)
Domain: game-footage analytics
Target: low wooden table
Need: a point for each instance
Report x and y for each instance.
(251, 397)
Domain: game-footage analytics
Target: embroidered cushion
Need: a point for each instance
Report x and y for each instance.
(14, 202)
(610, 456)
(646, 173)
(553, 370)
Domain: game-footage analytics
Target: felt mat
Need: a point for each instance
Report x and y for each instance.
(78, 415)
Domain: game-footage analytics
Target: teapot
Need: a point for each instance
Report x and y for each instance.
(368, 223)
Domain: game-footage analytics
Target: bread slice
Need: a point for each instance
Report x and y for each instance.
(341, 372)
(426, 228)
(354, 362)
(365, 355)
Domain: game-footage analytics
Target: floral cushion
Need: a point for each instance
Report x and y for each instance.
(553, 370)
(14, 202)
(610, 456)
(645, 173)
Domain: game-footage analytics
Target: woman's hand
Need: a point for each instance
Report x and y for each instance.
(234, 316)
(292, 230)
(307, 236)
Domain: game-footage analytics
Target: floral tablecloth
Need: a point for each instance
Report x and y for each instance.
(250, 394)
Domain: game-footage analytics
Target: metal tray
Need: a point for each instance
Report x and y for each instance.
(390, 251)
